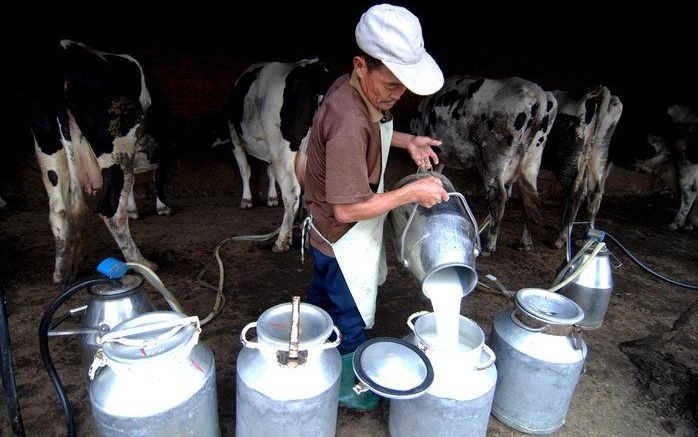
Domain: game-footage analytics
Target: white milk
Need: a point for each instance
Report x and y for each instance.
(445, 291)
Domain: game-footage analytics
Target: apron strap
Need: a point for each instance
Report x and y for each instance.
(305, 235)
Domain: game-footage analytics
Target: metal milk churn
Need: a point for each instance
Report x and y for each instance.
(154, 378)
(459, 401)
(437, 244)
(540, 358)
(110, 304)
(592, 289)
(288, 380)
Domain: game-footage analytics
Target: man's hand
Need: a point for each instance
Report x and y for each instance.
(427, 191)
(420, 149)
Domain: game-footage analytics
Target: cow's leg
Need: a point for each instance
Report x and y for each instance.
(530, 202)
(245, 173)
(272, 198)
(497, 199)
(573, 200)
(160, 178)
(113, 208)
(2, 203)
(692, 217)
(290, 191)
(55, 175)
(594, 199)
(689, 192)
(132, 207)
(243, 166)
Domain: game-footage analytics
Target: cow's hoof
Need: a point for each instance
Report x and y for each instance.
(281, 246)
(688, 228)
(273, 201)
(133, 215)
(166, 211)
(672, 226)
(246, 204)
(57, 278)
(526, 247)
(486, 253)
(559, 242)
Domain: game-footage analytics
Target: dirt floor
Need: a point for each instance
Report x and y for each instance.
(612, 398)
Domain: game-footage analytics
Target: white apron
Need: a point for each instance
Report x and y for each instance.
(360, 252)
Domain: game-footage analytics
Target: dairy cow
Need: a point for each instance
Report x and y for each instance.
(577, 149)
(90, 117)
(271, 111)
(676, 148)
(498, 127)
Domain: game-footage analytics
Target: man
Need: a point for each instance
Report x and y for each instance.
(347, 154)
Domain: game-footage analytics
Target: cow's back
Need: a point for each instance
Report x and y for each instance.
(484, 122)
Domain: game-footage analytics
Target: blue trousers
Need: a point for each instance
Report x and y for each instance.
(329, 291)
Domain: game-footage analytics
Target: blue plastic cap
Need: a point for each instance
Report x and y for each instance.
(112, 268)
(596, 235)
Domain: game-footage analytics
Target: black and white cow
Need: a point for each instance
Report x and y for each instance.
(577, 150)
(89, 114)
(271, 112)
(498, 127)
(677, 154)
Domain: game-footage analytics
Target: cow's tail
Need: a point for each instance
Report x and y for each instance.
(529, 200)
(301, 162)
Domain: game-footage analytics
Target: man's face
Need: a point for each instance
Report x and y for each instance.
(380, 86)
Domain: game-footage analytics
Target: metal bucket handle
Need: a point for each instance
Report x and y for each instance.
(472, 220)
(55, 323)
(175, 325)
(490, 360)
(478, 246)
(255, 344)
(410, 319)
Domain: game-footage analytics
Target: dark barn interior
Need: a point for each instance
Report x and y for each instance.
(642, 370)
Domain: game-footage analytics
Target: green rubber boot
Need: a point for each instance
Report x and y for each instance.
(347, 397)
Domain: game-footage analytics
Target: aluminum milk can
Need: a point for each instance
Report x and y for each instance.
(438, 242)
(540, 358)
(459, 401)
(592, 289)
(288, 380)
(156, 379)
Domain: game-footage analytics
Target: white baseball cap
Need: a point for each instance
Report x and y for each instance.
(393, 35)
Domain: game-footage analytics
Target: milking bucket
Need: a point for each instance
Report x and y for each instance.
(154, 378)
(288, 379)
(438, 244)
(109, 305)
(592, 289)
(459, 401)
(540, 358)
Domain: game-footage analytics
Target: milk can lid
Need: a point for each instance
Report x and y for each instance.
(393, 368)
(127, 283)
(548, 307)
(274, 326)
(147, 346)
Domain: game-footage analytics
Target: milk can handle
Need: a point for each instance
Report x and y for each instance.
(404, 233)
(410, 323)
(335, 343)
(492, 357)
(472, 220)
(174, 327)
(243, 336)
